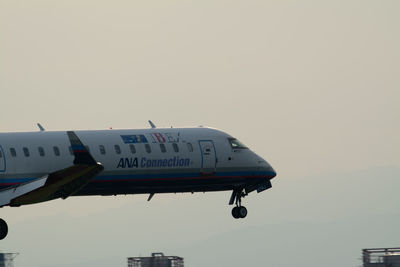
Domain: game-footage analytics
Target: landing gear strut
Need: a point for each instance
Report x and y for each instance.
(3, 229)
(239, 211)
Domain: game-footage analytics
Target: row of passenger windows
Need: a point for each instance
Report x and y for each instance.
(102, 149)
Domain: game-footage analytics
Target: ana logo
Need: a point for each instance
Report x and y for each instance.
(128, 163)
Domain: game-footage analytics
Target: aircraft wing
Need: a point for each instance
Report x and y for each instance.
(60, 184)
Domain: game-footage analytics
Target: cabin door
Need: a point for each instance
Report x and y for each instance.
(2, 160)
(208, 156)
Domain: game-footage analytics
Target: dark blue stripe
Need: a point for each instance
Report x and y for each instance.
(178, 175)
(153, 176)
(16, 180)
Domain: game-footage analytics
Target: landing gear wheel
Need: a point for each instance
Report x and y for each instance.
(3, 229)
(239, 211)
(242, 211)
(235, 213)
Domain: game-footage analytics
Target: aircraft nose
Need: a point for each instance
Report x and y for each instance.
(267, 168)
(273, 172)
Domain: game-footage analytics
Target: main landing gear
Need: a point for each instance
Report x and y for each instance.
(3, 229)
(239, 211)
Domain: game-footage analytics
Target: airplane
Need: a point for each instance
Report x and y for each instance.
(46, 165)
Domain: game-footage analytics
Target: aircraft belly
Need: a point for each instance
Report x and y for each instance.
(170, 182)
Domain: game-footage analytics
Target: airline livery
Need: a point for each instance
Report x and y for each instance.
(46, 165)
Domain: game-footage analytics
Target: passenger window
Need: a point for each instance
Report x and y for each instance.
(13, 152)
(148, 148)
(175, 147)
(163, 149)
(56, 151)
(102, 149)
(71, 151)
(190, 147)
(117, 149)
(133, 148)
(41, 151)
(26, 151)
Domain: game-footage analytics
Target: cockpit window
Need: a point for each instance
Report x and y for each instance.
(236, 144)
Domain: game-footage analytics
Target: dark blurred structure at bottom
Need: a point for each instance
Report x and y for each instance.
(381, 257)
(156, 260)
(7, 259)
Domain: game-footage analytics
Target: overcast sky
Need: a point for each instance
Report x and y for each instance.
(311, 86)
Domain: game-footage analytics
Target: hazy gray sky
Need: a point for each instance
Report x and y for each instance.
(312, 86)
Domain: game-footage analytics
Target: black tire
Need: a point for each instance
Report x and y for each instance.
(235, 213)
(242, 211)
(3, 229)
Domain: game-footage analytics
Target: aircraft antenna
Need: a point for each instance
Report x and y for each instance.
(152, 124)
(40, 127)
(150, 196)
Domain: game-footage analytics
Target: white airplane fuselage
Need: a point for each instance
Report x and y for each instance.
(136, 161)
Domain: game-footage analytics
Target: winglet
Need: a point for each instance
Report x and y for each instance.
(152, 124)
(82, 155)
(40, 127)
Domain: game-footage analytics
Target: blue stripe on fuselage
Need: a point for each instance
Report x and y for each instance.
(128, 177)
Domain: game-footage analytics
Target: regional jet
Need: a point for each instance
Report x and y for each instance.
(46, 165)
